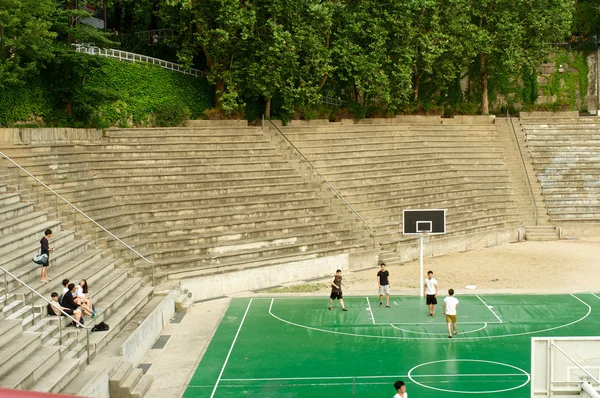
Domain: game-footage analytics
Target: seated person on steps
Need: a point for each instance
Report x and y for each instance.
(69, 302)
(84, 301)
(54, 308)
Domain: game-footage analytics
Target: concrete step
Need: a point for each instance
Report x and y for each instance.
(25, 375)
(411, 153)
(319, 146)
(9, 329)
(180, 206)
(26, 236)
(58, 377)
(18, 351)
(7, 199)
(128, 307)
(276, 242)
(142, 386)
(190, 270)
(9, 212)
(198, 198)
(421, 182)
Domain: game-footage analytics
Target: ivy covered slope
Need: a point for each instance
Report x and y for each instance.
(84, 91)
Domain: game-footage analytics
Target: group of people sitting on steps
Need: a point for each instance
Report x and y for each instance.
(74, 301)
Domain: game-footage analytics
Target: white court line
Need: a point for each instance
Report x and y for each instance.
(230, 349)
(444, 334)
(370, 336)
(371, 310)
(595, 296)
(378, 377)
(438, 323)
(489, 308)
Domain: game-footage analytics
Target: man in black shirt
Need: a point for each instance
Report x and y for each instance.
(383, 280)
(68, 301)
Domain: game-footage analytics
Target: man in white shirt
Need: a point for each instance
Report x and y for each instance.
(400, 389)
(450, 309)
(431, 291)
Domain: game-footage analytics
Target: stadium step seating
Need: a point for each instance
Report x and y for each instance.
(566, 159)
(384, 169)
(194, 200)
(32, 354)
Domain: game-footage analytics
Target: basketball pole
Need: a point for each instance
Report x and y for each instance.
(421, 236)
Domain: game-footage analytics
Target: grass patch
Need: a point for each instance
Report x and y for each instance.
(301, 288)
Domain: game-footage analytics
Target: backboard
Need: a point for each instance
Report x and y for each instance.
(431, 221)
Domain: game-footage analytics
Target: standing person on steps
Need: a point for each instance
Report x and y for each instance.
(431, 291)
(45, 249)
(383, 280)
(336, 290)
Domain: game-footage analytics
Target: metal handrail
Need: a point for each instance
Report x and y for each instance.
(83, 214)
(133, 57)
(33, 291)
(313, 168)
(524, 167)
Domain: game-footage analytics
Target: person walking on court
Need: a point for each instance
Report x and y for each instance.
(383, 280)
(450, 309)
(431, 291)
(400, 389)
(45, 249)
(336, 290)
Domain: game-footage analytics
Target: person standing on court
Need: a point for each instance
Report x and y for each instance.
(336, 290)
(45, 249)
(383, 280)
(400, 389)
(450, 309)
(431, 291)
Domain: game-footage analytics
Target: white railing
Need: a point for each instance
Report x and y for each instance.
(132, 57)
(332, 101)
(59, 196)
(159, 33)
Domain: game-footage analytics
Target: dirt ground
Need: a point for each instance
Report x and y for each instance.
(536, 267)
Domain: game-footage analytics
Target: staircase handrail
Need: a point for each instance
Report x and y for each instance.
(133, 57)
(313, 168)
(82, 213)
(524, 167)
(33, 291)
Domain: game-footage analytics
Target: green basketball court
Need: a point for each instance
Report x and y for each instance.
(295, 347)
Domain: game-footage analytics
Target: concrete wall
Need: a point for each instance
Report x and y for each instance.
(436, 246)
(579, 229)
(565, 114)
(216, 123)
(97, 387)
(47, 135)
(263, 277)
(140, 341)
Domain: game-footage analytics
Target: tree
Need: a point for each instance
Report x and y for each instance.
(26, 39)
(440, 41)
(515, 34)
(289, 53)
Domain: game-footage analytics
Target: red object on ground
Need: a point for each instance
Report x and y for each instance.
(5, 393)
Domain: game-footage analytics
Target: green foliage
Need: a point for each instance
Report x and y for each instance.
(81, 90)
(529, 93)
(25, 38)
(171, 115)
(569, 86)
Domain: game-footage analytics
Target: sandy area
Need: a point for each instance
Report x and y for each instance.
(538, 267)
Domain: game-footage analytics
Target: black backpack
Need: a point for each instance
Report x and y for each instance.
(101, 327)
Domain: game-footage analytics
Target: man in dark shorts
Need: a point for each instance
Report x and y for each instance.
(45, 249)
(336, 290)
(383, 280)
(54, 308)
(431, 291)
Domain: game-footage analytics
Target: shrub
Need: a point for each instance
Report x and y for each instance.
(220, 114)
(171, 115)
